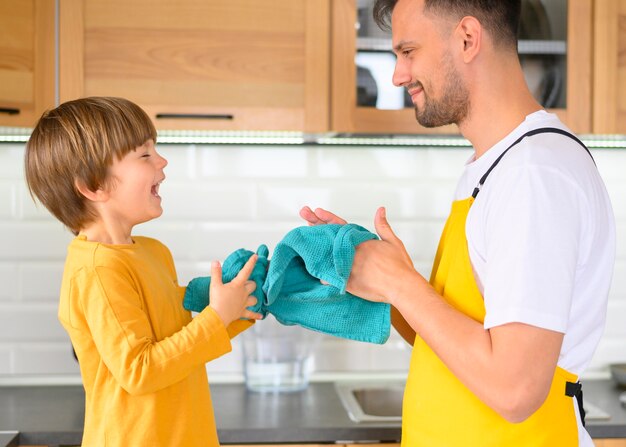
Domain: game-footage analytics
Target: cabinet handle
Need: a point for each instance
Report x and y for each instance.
(9, 111)
(198, 116)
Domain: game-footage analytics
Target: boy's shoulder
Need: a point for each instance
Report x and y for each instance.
(94, 254)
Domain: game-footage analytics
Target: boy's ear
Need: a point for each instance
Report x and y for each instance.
(98, 195)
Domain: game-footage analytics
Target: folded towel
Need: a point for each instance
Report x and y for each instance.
(291, 290)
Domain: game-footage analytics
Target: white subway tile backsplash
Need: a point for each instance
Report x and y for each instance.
(615, 319)
(447, 163)
(6, 360)
(382, 163)
(181, 162)
(617, 192)
(338, 355)
(620, 229)
(30, 324)
(253, 162)
(610, 350)
(45, 358)
(33, 241)
(9, 289)
(8, 202)
(610, 163)
(618, 284)
(29, 209)
(231, 362)
(12, 161)
(217, 199)
(41, 282)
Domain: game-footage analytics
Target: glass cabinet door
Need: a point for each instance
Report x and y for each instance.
(544, 39)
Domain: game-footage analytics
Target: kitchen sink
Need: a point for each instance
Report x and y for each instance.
(382, 402)
(372, 401)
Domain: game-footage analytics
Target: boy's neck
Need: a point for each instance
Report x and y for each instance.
(112, 235)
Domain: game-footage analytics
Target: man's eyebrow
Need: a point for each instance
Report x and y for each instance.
(397, 47)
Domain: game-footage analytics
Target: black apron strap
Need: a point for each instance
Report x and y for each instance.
(576, 390)
(527, 134)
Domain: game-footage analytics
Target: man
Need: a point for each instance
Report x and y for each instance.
(516, 303)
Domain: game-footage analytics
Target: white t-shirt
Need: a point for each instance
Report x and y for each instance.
(541, 238)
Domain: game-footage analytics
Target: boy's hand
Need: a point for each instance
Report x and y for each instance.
(231, 300)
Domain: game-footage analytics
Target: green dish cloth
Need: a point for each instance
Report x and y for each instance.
(290, 288)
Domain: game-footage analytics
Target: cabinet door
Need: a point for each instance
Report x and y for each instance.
(609, 93)
(610, 442)
(26, 60)
(568, 52)
(197, 64)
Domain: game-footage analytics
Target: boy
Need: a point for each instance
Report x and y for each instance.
(92, 163)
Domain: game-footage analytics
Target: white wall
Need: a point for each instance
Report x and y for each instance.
(220, 198)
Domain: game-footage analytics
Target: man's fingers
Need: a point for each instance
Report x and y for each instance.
(328, 217)
(307, 214)
(320, 216)
(386, 233)
(382, 226)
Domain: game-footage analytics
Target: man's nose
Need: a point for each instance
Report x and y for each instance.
(401, 74)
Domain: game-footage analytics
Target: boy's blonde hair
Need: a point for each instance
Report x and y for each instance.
(76, 143)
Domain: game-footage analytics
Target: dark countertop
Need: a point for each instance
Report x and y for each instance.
(54, 415)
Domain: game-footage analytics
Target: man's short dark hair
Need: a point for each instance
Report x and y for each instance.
(499, 17)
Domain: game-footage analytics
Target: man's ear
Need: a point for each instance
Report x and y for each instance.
(98, 195)
(470, 32)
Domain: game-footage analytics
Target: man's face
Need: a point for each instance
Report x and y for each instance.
(425, 65)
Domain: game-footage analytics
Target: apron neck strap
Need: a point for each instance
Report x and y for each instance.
(527, 134)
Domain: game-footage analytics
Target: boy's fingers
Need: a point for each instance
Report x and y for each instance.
(246, 270)
(250, 286)
(216, 273)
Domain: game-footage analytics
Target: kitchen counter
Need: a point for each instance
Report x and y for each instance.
(53, 415)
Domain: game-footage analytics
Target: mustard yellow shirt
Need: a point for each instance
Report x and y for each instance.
(142, 357)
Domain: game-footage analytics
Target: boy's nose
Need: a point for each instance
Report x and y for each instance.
(162, 161)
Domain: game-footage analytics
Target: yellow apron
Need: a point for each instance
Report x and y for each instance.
(438, 410)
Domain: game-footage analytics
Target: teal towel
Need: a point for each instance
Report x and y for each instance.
(197, 293)
(291, 288)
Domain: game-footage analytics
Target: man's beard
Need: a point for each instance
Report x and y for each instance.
(452, 107)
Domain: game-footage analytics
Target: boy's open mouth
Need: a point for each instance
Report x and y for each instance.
(155, 189)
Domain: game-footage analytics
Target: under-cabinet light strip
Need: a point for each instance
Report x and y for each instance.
(21, 135)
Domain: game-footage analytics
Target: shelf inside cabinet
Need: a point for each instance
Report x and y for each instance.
(548, 47)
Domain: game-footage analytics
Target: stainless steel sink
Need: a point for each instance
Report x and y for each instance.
(372, 401)
(382, 402)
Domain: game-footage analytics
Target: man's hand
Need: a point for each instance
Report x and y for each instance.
(320, 216)
(380, 266)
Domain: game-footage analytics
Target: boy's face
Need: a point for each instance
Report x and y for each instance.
(133, 189)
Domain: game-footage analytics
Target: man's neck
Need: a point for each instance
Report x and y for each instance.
(500, 102)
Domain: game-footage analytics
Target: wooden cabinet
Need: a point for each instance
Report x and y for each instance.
(609, 74)
(346, 116)
(610, 442)
(197, 64)
(26, 60)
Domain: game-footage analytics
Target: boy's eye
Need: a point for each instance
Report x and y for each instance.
(145, 155)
